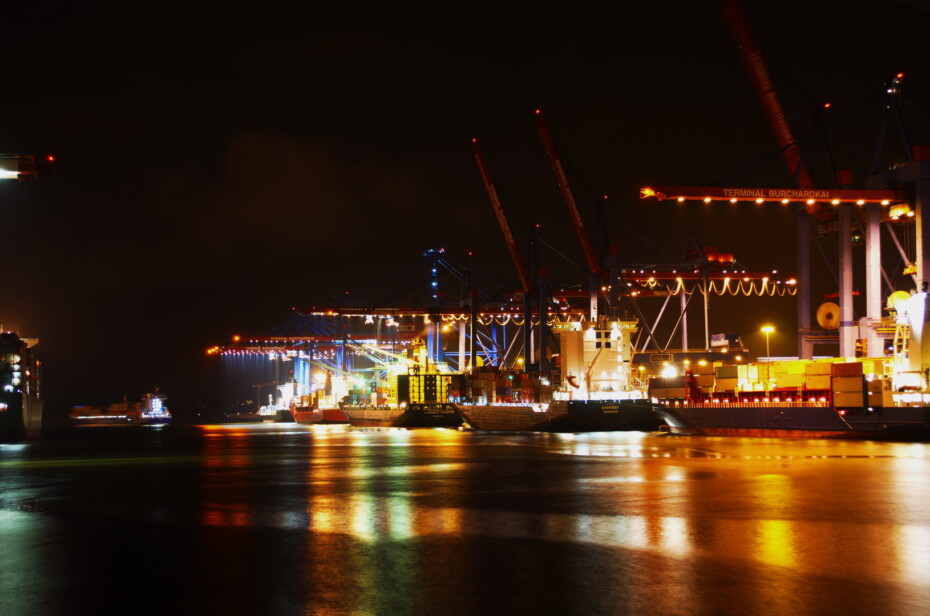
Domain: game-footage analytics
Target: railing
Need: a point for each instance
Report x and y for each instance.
(747, 403)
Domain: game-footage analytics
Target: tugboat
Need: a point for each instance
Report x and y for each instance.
(319, 407)
(20, 392)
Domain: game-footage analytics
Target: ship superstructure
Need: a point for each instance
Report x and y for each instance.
(21, 401)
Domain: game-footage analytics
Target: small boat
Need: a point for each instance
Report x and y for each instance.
(307, 415)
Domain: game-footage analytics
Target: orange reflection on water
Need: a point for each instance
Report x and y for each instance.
(774, 541)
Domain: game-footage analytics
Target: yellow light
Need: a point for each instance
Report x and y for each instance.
(860, 202)
(810, 202)
(236, 338)
(646, 192)
(733, 200)
(680, 199)
(784, 202)
(835, 202)
(706, 199)
(885, 202)
(759, 200)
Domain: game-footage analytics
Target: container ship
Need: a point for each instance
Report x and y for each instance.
(828, 398)
(20, 396)
(421, 400)
(149, 411)
(592, 388)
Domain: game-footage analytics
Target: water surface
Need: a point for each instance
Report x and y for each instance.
(289, 519)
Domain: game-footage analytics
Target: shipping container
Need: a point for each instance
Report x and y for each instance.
(788, 381)
(817, 381)
(846, 369)
(848, 383)
(843, 400)
(818, 368)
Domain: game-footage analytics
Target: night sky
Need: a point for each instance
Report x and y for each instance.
(218, 166)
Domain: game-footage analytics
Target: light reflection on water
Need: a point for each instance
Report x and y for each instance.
(659, 518)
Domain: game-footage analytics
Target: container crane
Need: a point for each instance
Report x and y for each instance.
(758, 72)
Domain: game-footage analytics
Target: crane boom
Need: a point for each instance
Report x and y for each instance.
(583, 236)
(752, 58)
(515, 254)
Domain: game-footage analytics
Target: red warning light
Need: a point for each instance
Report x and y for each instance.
(50, 158)
(900, 76)
(827, 105)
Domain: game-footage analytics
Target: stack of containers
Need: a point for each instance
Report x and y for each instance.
(817, 376)
(704, 377)
(727, 378)
(848, 385)
(788, 375)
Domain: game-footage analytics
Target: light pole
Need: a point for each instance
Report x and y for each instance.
(768, 329)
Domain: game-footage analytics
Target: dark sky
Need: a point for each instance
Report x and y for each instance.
(218, 166)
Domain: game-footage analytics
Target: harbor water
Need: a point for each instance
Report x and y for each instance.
(290, 519)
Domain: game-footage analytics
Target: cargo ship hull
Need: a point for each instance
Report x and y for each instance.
(500, 417)
(631, 415)
(417, 415)
(309, 416)
(783, 421)
(565, 416)
(20, 417)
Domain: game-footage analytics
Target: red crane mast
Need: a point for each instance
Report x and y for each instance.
(593, 265)
(515, 253)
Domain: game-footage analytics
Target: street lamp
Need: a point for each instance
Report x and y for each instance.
(768, 329)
